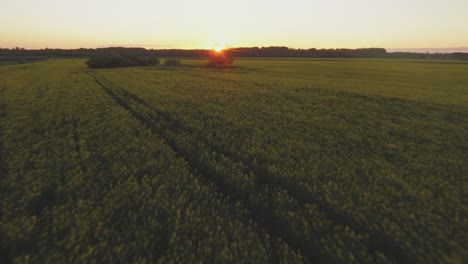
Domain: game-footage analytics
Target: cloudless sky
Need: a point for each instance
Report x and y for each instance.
(203, 23)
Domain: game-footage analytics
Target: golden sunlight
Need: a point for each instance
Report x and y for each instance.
(218, 47)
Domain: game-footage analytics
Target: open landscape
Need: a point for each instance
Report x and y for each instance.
(271, 160)
(219, 132)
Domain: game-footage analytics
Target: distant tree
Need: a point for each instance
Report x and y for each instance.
(116, 58)
(275, 51)
(220, 59)
(459, 56)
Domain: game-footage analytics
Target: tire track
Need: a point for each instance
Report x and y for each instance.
(378, 240)
(200, 171)
(163, 124)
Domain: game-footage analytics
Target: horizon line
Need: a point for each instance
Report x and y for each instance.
(163, 47)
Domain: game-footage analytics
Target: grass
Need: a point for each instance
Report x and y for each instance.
(294, 160)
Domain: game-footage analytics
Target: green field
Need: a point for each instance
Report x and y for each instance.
(274, 160)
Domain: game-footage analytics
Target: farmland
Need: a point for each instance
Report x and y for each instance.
(273, 160)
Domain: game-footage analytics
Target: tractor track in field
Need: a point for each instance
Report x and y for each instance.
(378, 241)
(196, 169)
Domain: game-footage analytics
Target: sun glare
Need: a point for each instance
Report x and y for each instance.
(219, 47)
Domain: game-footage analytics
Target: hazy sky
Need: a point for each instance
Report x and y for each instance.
(202, 23)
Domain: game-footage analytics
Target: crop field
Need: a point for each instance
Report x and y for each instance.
(271, 161)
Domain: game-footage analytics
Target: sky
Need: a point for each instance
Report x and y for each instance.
(391, 24)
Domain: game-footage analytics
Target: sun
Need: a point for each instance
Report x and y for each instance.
(218, 47)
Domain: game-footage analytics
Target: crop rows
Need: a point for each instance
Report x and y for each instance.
(299, 220)
(183, 165)
(89, 182)
(376, 166)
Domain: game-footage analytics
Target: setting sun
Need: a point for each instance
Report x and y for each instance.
(219, 47)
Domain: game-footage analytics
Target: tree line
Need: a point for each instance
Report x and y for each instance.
(279, 51)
